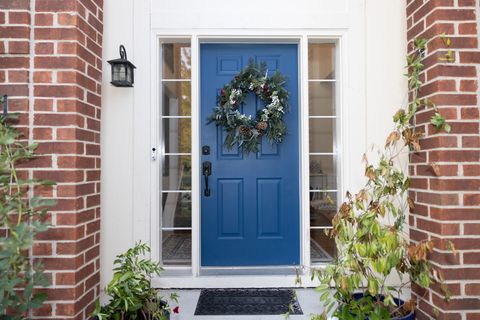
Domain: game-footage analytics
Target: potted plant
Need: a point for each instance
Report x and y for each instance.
(131, 292)
(370, 229)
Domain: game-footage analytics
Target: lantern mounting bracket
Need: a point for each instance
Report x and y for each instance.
(123, 52)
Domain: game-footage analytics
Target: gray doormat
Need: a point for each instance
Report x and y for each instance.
(247, 302)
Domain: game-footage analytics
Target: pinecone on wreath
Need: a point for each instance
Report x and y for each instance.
(262, 126)
(244, 130)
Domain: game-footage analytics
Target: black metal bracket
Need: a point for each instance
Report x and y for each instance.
(5, 105)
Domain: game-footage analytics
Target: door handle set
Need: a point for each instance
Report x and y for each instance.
(206, 171)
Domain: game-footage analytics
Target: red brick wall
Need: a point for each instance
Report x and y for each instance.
(50, 66)
(446, 174)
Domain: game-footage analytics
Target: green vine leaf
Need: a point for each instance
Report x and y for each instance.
(440, 123)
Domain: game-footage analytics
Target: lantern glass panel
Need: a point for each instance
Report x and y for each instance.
(129, 74)
(121, 72)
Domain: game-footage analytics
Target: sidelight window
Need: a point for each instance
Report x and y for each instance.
(323, 121)
(176, 154)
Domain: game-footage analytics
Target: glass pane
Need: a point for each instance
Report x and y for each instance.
(176, 210)
(177, 173)
(176, 60)
(177, 247)
(323, 206)
(176, 99)
(321, 61)
(323, 173)
(321, 135)
(177, 135)
(322, 247)
(321, 98)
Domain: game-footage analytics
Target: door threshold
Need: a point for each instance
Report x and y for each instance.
(248, 271)
(232, 281)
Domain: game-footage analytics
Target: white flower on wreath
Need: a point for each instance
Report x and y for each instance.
(251, 86)
(245, 117)
(235, 93)
(275, 102)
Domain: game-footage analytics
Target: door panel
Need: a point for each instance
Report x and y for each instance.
(230, 204)
(251, 217)
(269, 209)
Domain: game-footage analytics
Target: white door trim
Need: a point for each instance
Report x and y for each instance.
(190, 277)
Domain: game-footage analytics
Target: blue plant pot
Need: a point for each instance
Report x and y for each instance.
(167, 315)
(162, 304)
(398, 302)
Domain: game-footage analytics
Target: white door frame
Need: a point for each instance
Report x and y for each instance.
(191, 277)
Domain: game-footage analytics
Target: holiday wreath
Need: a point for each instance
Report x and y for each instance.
(241, 129)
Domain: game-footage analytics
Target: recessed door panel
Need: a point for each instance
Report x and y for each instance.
(230, 203)
(269, 209)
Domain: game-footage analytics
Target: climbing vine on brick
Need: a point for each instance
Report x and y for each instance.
(21, 219)
(369, 228)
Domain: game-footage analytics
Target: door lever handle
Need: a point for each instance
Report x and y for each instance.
(206, 171)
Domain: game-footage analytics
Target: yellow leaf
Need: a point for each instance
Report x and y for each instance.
(370, 173)
(362, 195)
(411, 204)
(435, 168)
(409, 305)
(429, 245)
(392, 137)
(344, 283)
(365, 159)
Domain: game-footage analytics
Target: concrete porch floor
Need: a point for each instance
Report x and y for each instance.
(309, 302)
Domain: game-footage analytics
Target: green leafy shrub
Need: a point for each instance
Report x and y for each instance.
(131, 292)
(369, 228)
(20, 220)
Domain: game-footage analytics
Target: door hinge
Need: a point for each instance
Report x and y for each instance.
(153, 153)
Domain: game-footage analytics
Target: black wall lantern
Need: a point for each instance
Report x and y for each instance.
(122, 70)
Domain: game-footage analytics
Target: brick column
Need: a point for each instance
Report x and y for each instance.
(446, 174)
(51, 66)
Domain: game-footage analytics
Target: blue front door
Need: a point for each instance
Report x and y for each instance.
(251, 217)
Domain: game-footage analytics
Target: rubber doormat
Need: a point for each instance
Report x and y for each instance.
(247, 302)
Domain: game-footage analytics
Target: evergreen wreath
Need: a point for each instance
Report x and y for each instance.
(243, 129)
